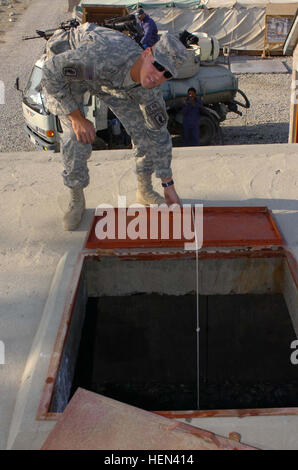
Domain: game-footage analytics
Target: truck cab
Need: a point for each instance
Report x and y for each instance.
(41, 127)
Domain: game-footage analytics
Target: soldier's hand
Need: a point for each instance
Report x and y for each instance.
(171, 196)
(84, 131)
(83, 128)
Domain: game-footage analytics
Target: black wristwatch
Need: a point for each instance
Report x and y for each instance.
(169, 183)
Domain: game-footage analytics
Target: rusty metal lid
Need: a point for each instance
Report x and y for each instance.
(218, 227)
(95, 422)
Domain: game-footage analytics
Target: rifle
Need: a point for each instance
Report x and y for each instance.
(126, 24)
(66, 25)
(188, 39)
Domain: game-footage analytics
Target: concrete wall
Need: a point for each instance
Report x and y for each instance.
(112, 276)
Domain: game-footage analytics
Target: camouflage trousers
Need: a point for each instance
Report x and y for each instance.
(76, 154)
(151, 147)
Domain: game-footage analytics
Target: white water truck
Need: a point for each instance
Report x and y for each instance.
(215, 85)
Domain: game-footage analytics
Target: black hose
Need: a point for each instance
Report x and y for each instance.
(244, 105)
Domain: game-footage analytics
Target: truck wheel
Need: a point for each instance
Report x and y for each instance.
(208, 131)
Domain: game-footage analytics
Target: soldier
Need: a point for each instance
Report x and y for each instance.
(112, 66)
(149, 27)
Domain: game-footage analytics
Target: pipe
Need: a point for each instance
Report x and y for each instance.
(244, 105)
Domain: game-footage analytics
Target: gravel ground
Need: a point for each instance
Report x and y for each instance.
(10, 12)
(17, 58)
(267, 120)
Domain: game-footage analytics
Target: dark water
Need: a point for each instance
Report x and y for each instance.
(142, 350)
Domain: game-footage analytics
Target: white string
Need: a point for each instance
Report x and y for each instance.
(198, 316)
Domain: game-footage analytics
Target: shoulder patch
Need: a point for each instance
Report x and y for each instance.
(79, 71)
(156, 114)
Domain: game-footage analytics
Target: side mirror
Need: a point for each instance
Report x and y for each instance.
(17, 84)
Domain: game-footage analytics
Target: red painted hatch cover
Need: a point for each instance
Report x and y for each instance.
(221, 227)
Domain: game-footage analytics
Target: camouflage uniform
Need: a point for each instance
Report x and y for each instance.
(98, 60)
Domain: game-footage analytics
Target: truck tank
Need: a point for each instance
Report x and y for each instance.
(213, 84)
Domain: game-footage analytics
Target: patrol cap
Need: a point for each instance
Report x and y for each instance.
(170, 53)
(139, 12)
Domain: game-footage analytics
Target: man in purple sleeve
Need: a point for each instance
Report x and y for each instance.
(149, 27)
(191, 118)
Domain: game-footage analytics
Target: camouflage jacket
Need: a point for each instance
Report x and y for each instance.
(96, 59)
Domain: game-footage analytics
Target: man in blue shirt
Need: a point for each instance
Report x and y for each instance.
(191, 118)
(149, 27)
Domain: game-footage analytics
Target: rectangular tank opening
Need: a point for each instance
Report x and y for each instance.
(133, 334)
(142, 350)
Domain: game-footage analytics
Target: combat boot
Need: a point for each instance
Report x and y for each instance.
(75, 211)
(145, 193)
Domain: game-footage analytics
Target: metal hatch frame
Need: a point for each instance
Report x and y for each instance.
(260, 248)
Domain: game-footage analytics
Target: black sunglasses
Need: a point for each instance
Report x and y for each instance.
(161, 68)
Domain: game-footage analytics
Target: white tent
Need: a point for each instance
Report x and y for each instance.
(247, 3)
(236, 24)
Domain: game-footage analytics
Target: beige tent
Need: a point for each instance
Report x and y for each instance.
(238, 25)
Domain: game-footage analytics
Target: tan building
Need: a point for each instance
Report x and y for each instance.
(291, 47)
